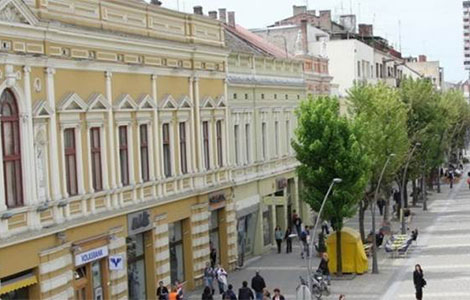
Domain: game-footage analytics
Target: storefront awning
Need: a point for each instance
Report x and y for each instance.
(17, 283)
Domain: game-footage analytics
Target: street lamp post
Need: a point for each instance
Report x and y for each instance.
(375, 267)
(402, 189)
(313, 232)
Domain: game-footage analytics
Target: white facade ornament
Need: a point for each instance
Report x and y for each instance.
(323, 51)
(40, 155)
(37, 84)
(299, 48)
(11, 14)
(10, 76)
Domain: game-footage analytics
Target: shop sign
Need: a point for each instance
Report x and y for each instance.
(139, 222)
(116, 263)
(281, 183)
(91, 255)
(217, 200)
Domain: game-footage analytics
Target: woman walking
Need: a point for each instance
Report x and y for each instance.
(288, 239)
(419, 282)
(278, 236)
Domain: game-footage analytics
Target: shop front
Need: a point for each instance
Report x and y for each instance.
(90, 274)
(19, 286)
(247, 219)
(139, 238)
(218, 228)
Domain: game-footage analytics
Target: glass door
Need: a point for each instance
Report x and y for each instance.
(136, 267)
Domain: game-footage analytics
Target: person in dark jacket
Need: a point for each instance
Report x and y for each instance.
(162, 291)
(258, 284)
(229, 294)
(245, 293)
(288, 238)
(277, 295)
(207, 294)
(419, 282)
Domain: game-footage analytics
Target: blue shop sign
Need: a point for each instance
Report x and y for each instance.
(91, 255)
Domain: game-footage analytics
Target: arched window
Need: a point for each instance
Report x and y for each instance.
(11, 147)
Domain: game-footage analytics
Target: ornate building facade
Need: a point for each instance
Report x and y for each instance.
(114, 132)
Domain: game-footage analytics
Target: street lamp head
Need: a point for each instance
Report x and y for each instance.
(337, 180)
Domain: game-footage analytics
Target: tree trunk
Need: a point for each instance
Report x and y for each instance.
(386, 208)
(339, 260)
(439, 179)
(405, 193)
(425, 197)
(362, 211)
(415, 192)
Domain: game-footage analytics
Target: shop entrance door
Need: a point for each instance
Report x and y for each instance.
(89, 281)
(214, 239)
(136, 267)
(175, 231)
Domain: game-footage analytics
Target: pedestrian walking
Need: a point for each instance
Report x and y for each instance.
(221, 275)
(342, 297)
(381, 204)
(323, 267)
(419, 282)
(277, 295)
(179, 289)
(174, 294)
(209, 274)
(258, 285)
(229, 294)
(162, 291)
(451, 178)
(288, 239)
(468, 182)
(207, 294)
(266, 294)
(304, 244)
(298, 225)
(245, 293)
(324, 228)
(278, 236)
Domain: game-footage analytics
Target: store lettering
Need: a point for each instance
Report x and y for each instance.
(91, 255)
(142, 220)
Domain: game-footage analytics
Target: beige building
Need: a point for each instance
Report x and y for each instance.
(114, 133)
(264, 90)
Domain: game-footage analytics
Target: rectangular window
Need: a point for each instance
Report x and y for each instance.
(70, 161)
(144, 153)
(247, 143)
(264, 141)
(96, 172)
(205, 136)
(183, 156)
(123, 155)
(236, 138)
(218, 129)
(166, 150)
(288, 136)
(358, 69)
(276, 137)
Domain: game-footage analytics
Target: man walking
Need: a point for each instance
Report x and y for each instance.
(245, 293)
(258, 285)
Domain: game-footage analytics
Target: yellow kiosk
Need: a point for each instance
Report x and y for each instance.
(353, 254)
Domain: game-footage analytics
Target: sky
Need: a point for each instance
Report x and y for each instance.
(430, 27)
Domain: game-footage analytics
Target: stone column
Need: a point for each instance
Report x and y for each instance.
(162, 250)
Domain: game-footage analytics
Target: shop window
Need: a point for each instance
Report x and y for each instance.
(18, 285)
(218, 129)
(123, 155)
(70, 161)
(267, 226)
(90, 280)
(136, 267)
(183, 154)
(144, 153)
(214, 239)
(166, 150)
(246, 236)
(96, 172)
(9, 117)
(205, 136)
(175, 231)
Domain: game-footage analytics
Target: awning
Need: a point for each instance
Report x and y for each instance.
(17, 283)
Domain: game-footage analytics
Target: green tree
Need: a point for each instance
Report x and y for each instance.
(327, 147)
(382, 119)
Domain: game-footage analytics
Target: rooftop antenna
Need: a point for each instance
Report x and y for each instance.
(350, 7)
(399, 34)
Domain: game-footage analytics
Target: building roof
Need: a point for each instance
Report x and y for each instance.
(253, 41)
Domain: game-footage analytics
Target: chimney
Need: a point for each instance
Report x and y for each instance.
(303, 28)
(223, 15)
(422, 58)
(197, 10)
(156, 2)
(366, 30)
(297, 10)
(325, 20)
(213, 14)
(231, 19)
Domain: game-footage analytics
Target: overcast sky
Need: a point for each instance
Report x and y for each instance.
(431, 27)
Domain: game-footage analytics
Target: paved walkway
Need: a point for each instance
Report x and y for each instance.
(443, 251)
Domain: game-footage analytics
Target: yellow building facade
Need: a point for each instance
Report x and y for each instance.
(114, 133)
